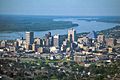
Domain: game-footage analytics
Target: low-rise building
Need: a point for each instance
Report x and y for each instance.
(40, 49)
(110, 42)
(79, 57)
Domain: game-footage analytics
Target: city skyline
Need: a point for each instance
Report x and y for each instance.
(59, 40)
(62, 7)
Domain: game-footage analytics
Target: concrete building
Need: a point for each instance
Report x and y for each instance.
(35, 47)
(3, 44)
(20, 42)
(83, 40)
(79, 58)
(54, 49)
(16, 45)
(29, 37)
(48, 39)
(110, 42)
(72, 35)
(49, 34)
(118, 41)
(37, 41)
(12, 48)
(51, 41)
(101, 38)
(56, 40)
(40, 49)
(43, 42)
(29, 40)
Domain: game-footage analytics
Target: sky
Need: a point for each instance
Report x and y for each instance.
(61, 7)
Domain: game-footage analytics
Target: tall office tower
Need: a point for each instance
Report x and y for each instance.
(43, 42)
(51, 41)
(16, 45)
(56, 40)
(29, 40)
(72, 35)
(49, 34)
(48, 39)
(101, 38)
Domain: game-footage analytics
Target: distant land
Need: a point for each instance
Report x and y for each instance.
(112, 32)
(109, 19)
(14, 23)
(22, 23)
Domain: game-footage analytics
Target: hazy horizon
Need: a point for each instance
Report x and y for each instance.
(60, 8)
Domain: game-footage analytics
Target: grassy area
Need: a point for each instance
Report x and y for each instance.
(22, 59)
(55, 61)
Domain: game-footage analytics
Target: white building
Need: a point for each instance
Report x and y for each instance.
(56, 40)
(72, 34)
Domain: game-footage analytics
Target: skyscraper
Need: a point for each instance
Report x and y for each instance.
(101, 38)
(51, 41)
(46, 40)
(72, 35)
(56, 40)
(49, 34)
(29, 40)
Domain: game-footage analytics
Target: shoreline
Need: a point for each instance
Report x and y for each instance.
(82, 26)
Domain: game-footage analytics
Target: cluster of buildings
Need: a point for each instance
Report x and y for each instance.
(84, 48)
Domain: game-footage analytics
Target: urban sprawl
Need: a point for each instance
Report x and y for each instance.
(86, 57)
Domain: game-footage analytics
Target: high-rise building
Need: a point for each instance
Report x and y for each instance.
(49, 34)
(56, 40)
(72, 35)
(51, 41)
(47, 41)
(43, 42)
(29, 40)
(101, 38)
(16, 45)
(29, 37)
